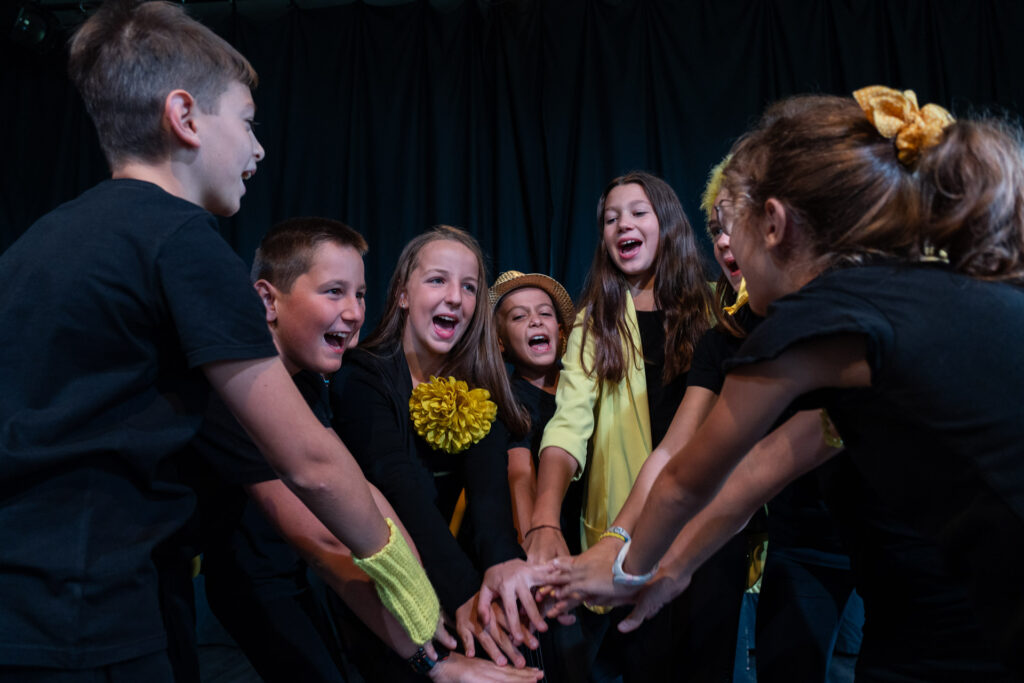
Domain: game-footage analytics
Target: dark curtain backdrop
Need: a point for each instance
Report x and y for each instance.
(508, 118)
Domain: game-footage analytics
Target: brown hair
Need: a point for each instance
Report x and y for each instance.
(973, 194)
(128, 56)
(822, 158)
(475, 358)
(287, 250)
(680, 289)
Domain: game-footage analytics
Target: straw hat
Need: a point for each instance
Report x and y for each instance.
(513, 279)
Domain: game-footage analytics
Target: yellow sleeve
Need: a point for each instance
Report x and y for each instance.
(573, 422)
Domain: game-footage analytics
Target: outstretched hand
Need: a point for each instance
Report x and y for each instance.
(493, 636)
(513, 581)
(460, 669)
(655, 594)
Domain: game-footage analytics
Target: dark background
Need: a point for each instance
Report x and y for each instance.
(509, 117)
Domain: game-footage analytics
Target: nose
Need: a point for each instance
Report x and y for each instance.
(453, 295)
(722, 241)
(258, 150)
(353, 310)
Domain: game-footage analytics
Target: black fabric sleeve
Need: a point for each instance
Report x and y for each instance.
(217, 313)
(822, 308)
(365, 418)
(226, 446)
(706, 368)
(488, 498)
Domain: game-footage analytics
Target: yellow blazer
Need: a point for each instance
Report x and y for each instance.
(605, 425)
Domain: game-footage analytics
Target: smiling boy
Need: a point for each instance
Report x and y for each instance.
(119, 312)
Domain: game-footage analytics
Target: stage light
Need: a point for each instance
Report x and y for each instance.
(35, 28)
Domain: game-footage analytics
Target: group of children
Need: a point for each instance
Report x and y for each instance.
(430, 488)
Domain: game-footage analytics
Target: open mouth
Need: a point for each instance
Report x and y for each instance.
(337, 340)
(444, 325)
(731, 265)
(629, 248)
(248, 174)
(539, 343)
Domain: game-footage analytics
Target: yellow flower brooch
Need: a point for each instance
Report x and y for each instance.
(449, 415)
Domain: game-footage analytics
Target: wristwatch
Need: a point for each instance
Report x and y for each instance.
(422, 664)
(620, 576)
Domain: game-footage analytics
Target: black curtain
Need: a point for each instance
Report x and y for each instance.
(508, 118)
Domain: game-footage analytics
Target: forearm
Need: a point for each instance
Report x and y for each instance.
(787, 452)
(555, 472)
(311, 460)
(331, 560)
(692, 410)
(522, 481)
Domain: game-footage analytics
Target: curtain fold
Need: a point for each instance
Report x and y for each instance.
(508, 118)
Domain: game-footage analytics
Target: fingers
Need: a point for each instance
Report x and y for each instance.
(483, 606)
(492, 649)
(508, 602)
(442, 636)
(532, 613)
(465, 632)
(507, 646)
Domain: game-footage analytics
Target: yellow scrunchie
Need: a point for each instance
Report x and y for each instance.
(896, 115)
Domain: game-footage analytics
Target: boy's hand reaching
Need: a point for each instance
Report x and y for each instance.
(493, 637)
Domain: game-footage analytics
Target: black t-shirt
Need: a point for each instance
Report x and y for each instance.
(541, 406)
(937, 436)
(228, 527)
(370, 402)
(111, 304)
(662, 399)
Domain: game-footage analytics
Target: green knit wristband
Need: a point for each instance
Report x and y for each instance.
(403, 586)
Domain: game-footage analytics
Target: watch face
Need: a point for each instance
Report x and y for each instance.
(420, 662)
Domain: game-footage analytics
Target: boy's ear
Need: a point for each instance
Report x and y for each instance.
(268, 295)
(179, 117)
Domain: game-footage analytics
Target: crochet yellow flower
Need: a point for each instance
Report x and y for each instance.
(449, 415)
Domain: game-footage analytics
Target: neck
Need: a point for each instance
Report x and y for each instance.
(641, 288)
(420, 369)
(546, 380)
(160, 174)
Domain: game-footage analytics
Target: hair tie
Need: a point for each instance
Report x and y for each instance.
(896, 115)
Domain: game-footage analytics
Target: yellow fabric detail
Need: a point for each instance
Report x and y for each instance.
(449, 415)
(741, 298)
(896, 115)
(458, 514)
(606, 423)
(403, 587)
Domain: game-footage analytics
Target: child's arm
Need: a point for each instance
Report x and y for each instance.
(695, 406)
(314, 463)
(544, 539)
(330, 559)
(752, 399)
(522, 482)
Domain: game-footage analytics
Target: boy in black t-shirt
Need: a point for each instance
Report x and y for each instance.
(119, 310)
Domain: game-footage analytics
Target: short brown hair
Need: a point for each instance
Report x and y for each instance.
(129, 55)
(287, 249)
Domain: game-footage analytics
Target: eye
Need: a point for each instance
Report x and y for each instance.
(361, 294)
(469, 287)
(517, 316)
(716, 230)
(336, 291)
(436, 280)
(640, 212)
(548, 314)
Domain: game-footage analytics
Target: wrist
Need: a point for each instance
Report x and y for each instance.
(421, 663)
(622, 577)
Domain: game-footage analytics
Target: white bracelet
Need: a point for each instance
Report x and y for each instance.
(620, 576)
